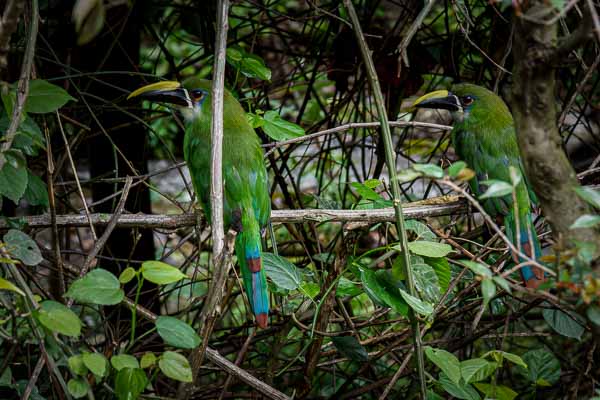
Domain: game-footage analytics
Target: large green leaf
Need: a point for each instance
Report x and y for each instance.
(476, 369)
(422, 230)
(591, 196)
(431, 170)
(96, 287)
(497, 392)
(59, 318)
(459, 390)
(96, 363)
(282, 272)
(161, 273)
(586, 221)
(177, 333)
(442, 269)
(44, 97)
(418, 305)
(78, 387)
(22, 247)
(121, 361)
(8, 285)
(382, 291)
(279, 129)
(36, 192)
(130, 383)
(445, 361)
(429, 249)
(496, 189)
(350, 347)
(13, 181)
(426, 280)
(563, 323)
(175, 366)
(543, 368)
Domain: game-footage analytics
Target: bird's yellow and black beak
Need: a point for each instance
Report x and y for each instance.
(171, 92)
(440, 99)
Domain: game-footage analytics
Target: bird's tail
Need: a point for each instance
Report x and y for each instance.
(248, 250)
(529, 244)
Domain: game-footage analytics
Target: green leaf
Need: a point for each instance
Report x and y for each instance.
(365, 192)
(497, 392)
(426, 280)
(76, 365)
(279, 129)
(13, 181)
(36, 193)
(7, 285)
(503, 283)
(58, 318)
(127, 275)
(500, 355)
(477, 268)
(407, 175)
(372, 184)
(88, 16)
(96, 287)
(418, 305)
(121, 361)
(442, 269)
(382, 291)
(488, 290)
(429, 249)
(161, 273)
(282, 272)
(593, 314)
(460, 391)
(591, 196)
(310, 289)
(96, 363)
(422, 230)
(255, 120)
(456, 168)
(177, 333)
(476, 369)
(346, 287)
(130, 383)
(586, 221)
(148, 360)
(175, 366)
(350, 347)
(429, 170)
(496, 189)
(44, 97)
(78, 387)
(445, 361)
(254, 67)
(22, 247)
(564, 323)
(543, 368)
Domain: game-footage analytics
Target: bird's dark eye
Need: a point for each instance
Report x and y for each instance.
(467, 100)
(197, 94)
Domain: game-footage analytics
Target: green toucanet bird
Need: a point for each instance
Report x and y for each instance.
(483, 136)
(247, 205)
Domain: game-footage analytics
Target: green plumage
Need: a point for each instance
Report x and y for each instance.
(247, 205)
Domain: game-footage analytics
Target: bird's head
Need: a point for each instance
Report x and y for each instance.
(465, 101)
(189, 96)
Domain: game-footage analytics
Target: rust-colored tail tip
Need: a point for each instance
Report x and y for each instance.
(262, 320)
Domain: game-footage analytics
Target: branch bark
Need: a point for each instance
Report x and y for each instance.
(534, 110)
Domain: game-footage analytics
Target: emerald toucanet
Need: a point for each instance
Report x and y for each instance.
(247, 204)
(483, 135)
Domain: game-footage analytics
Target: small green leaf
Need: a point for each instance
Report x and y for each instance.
(429, 249)
(310, 289)
(13, 181)
(148, 360)
(543, 368)
(282, 272)
(254, 67)
(591, 196)
(407, 175)
(455, 168)
(36, 193)
(382, 291)
(44, 97)
(127, 275)
(78, 387)
(418, 305)
(586, 221)
(76, 365)
(429, 170)
(503, 283)
(177, 333)
(279, 129)
(422, 230)
(496, 189)
(130, 383)
(121, 361)
(593, 314)
(476, 369)
(7, 285)
(445, 361)
(346, 287)
(365, 192)
(372, 183)
(161, 273)
(96, 363)
(497, 392)
(96, 287)
(563, 323)
(459, 390)
(500, 355)
(59, 318)
(350, 347)
(175, 366)
(477, 268)
(488, 290)
(22, 247)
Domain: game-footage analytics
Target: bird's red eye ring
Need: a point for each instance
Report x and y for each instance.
(467, 100)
